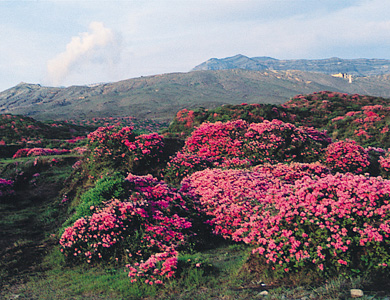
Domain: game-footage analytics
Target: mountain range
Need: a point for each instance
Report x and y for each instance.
(235, 81)
(334, 65)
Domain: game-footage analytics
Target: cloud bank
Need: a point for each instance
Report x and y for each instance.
(98, 47)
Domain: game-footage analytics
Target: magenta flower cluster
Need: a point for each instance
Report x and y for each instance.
(6, 188)
(347, 156)
(121, 145)
(384, 162)
(24, 152)
(239, 144)
(145, 231)
(327, 222)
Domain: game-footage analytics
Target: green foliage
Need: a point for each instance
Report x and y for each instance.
(106, 188)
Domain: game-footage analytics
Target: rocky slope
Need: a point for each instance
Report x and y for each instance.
(161, 96)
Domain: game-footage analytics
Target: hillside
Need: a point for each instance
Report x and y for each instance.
(128, 215)
(356, 67)
(161, 96)
(21, 129)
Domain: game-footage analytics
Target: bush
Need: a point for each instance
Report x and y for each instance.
(237, 144)
(145, 230)
(384, 162)
(120, 149)
(289, 173)
(276, 141)
(228, 197)
(347, 156)
(38, 152)
(329, 224)
(6, 189)
(338, 223)
(106, 188)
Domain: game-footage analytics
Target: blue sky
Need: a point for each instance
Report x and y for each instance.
(62, 43)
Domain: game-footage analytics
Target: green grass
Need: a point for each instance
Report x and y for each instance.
(217, 272)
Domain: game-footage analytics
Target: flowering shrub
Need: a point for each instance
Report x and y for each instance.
(237, 144)
(276, 141)
(339, 222)
(120, 148)
(330, 223)
(149, 149)
(347, 156)
(184, 164)
(289, 173)
(217, 140)
(146, 230)
(369, 126)
(384, 162)
(229, 197)
(364, 119)
(106, 188)
(38, 152)
(6, 188)
(186, 120)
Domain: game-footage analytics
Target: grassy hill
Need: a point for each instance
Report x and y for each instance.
(161, 96)
(19, 129)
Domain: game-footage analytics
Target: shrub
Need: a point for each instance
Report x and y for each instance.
(330, 224)
(145, 230)
(335, 224)
(347, 156)
(289, 173)
(276, 141)
(120, 148)
(237, 144)
(184, 164)
(384, 162)
(6, 188)
(229, 197)
(38, 152)
(106, 188)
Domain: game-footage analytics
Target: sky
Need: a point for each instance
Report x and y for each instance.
(65, 42)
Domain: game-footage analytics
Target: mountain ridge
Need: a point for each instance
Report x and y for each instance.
(355, 67)
(161, 96)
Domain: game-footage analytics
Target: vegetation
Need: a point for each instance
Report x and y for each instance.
(255, 199)
(365, 119)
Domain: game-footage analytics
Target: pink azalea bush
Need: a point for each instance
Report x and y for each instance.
(277, 141)
(338, 222)
(229, 197)
(384, 162)
(329, 223)
(347, 156)
(120, 147)
(6, 188)
(24, 152)
(289, 173)
(237, 144)
(145, 231)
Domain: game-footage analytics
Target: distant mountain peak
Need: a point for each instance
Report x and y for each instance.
(334, 65)
(238, 61)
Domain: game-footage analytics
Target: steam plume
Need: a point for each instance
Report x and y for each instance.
(98, 46)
